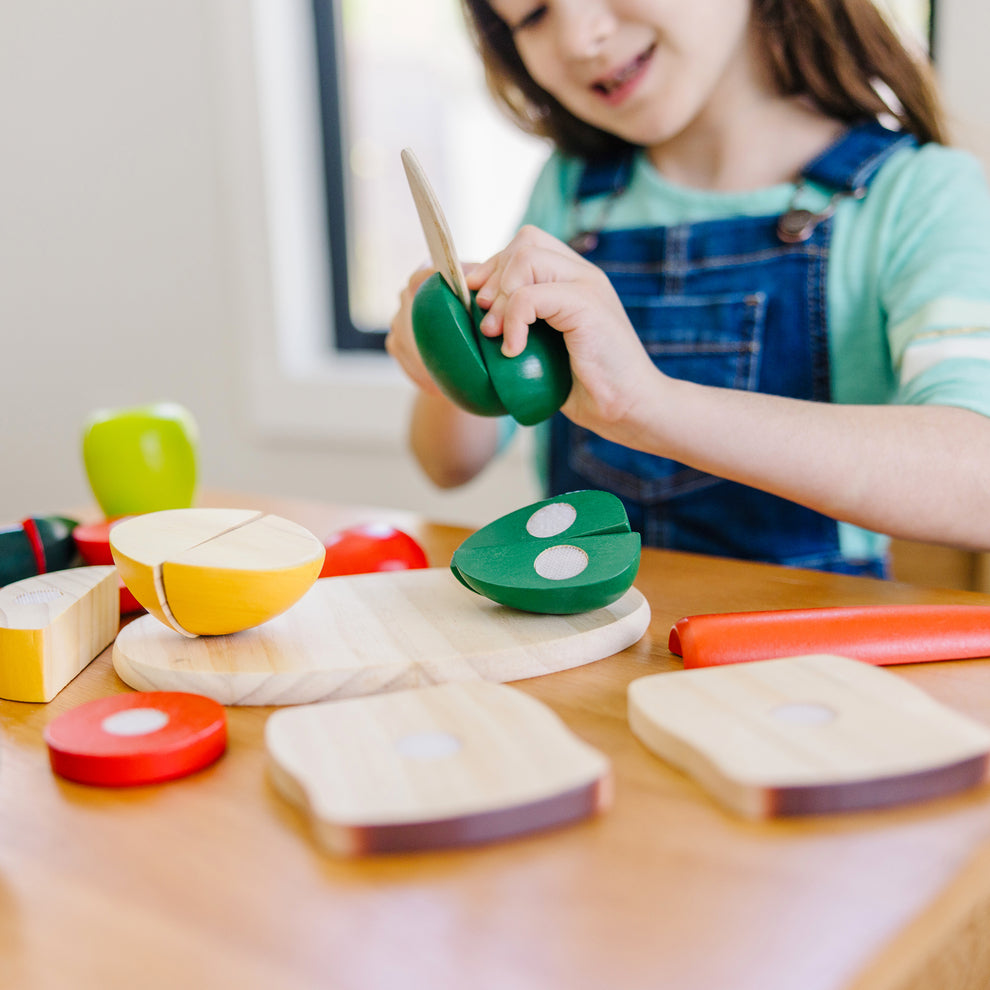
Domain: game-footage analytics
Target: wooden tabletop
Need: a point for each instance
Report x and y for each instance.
(214, 880)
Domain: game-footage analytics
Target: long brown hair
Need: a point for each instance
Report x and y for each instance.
(833, 52)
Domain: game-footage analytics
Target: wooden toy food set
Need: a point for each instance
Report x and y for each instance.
(479, 761)
(403, 738)
(468, 366)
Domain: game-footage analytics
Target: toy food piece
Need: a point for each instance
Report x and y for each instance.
(451, 765)
(36, 545)
(52, 626)
(139, 738)
(563, 555)
(93, 543)
(370, 633)
(807, 735)
(471, 369)
(467, 366)
(141, 459)
(371, 547)
(879, 634)
(209, 572)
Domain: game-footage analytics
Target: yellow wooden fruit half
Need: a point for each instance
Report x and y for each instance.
(210, 572)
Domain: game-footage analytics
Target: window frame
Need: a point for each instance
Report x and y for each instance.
(331, 79)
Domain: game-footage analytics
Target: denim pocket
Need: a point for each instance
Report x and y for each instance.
(711, 340)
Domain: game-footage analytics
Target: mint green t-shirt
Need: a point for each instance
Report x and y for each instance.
(908, 283)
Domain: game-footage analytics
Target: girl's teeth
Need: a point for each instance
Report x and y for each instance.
(607, 86)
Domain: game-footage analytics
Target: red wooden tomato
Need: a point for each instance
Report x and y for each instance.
(371, 547)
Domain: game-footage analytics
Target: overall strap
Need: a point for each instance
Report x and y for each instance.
(854, 159)
(607, 176)
(849, 164)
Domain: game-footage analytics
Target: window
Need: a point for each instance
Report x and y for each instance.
(420, 85)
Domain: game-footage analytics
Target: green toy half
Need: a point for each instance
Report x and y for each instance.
(571, 553)
(448, 343)
(470, 368)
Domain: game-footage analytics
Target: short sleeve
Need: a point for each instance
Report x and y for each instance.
(553, 191)
(936, 283)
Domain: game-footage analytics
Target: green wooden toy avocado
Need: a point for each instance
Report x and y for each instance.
(571, 553)
(470, 368)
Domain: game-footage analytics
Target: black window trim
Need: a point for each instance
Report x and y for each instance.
(330, 63)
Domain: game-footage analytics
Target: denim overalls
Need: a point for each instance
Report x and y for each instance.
(738, 303)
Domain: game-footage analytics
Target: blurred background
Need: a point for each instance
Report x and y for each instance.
(202, 201)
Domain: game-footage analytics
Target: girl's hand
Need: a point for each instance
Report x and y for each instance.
(401, 343)
(539, 277)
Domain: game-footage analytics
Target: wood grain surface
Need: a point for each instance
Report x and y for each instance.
(807, 735)
(213, 880)
(368, 633)
(427, 768)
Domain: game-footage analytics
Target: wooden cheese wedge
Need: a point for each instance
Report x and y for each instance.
(450, 765)
(215, 571)
(807, 735)
(52, 626)
(370, 633)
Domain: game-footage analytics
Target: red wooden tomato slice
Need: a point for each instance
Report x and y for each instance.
(137, 738)
(371, 547)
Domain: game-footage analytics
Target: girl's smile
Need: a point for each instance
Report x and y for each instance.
(685, 81)
(615, 86)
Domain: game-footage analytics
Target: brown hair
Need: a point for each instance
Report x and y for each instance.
(833, 52)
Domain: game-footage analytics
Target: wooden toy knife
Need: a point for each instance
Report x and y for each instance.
(438, 236)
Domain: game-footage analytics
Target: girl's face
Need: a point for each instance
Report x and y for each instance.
(645, 70)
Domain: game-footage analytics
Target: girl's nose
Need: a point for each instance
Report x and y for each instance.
(585, 27)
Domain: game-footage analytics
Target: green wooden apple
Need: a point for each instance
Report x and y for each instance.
(141, 459)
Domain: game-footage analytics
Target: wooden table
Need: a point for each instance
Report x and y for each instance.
(214, 881)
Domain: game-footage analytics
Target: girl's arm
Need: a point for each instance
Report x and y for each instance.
(917, 472)
(914, 472)
(451, 445)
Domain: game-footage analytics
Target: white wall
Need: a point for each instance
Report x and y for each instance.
(132, 234)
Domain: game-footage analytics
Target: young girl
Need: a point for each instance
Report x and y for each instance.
(777, 307)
